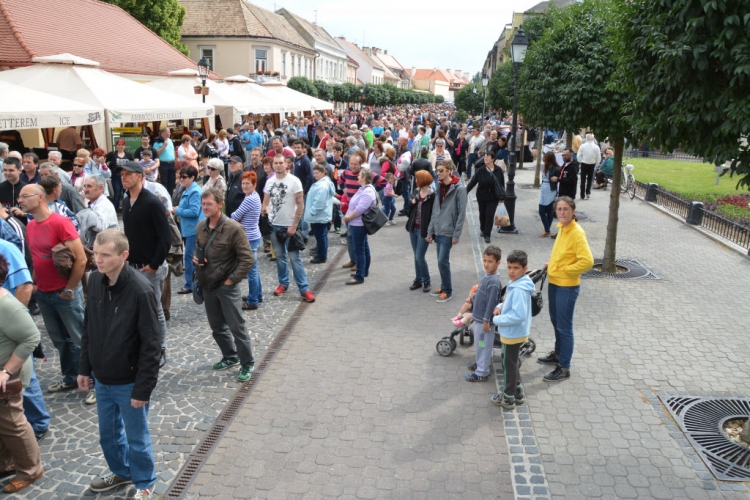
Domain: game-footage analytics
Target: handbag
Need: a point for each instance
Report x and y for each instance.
(265, 225)
(13, 387)
(374, 218)
(63, 259)
(537, 301)
(296, 241)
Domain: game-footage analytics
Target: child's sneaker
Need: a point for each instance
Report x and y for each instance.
(457, 322)
(520, 396)
(476, 378)
(503, 401)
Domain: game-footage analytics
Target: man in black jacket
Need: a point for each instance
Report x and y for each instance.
(235, 145)
(147, 229)
(120, 348)
(234, 195)
(566, 186)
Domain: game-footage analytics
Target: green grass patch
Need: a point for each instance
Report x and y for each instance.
(682, 177)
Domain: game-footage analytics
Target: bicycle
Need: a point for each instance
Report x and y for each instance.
(627, 180)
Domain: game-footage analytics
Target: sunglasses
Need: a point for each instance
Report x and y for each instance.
(441, 170)
(214, 169)
(184, 177)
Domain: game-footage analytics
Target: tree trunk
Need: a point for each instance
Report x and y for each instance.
(745, 436)
(568, 139)
(610, 245)
(539, 154)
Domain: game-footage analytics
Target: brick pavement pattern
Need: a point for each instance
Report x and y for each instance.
(358, 404)
(602, 433)
(187, 398)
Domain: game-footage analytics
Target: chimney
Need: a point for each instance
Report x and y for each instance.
(448, 70)
(457, 73)
(385, 52)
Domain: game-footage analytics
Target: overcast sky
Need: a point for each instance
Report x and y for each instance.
(426, 34)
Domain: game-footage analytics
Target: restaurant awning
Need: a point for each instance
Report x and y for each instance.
(25, 108)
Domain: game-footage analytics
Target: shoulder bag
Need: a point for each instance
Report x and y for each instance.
(537, 301)
(197, 289)
(374, 218)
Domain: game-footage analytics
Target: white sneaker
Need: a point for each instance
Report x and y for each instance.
(144, 494)
(90, 397)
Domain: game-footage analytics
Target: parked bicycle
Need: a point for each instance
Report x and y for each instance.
(627, 180)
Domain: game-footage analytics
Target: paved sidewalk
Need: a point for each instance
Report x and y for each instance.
(358, 404)
(603, 433)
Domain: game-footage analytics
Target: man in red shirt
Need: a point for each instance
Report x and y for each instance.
(279, 149)
(60, 299)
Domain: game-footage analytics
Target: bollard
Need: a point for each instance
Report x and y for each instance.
(695, 214)
(651, 191)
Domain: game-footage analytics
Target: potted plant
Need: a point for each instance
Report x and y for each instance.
(204, 90)
(197, 89)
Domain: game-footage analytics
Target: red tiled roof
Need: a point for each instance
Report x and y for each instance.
(437, 74)
(108, 35)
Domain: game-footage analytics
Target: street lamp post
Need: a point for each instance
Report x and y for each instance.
(203, 71)
(485, 82)
(518, 52)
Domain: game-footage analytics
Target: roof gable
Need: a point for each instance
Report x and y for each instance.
(316, 32)
(352, 49)
(131, 48)
(225, 17)
(276, 25)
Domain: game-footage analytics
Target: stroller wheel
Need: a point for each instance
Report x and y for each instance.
(527, 348)
(454, 344)
(444, 347)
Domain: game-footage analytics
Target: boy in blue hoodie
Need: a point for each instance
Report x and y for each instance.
(513, 318)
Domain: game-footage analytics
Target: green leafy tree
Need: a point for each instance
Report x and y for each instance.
(163, 17)
(467, 100)
(344, 92)
(500, 88)
(568, 81)
(688, 64)
(302, 84)
(462, 116)
(325, 90)
(439, 99)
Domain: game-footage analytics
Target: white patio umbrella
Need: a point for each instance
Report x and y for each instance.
(24, 108)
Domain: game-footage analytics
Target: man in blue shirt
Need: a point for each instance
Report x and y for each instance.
(165, 149)
(19, 284)
(250, 139)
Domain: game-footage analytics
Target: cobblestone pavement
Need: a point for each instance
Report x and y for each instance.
(358, 404)
(603, 433)
(186, 401)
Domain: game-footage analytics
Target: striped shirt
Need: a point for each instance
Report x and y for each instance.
(248, 215)
(349, 181)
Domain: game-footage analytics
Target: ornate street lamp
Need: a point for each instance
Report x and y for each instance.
(485, 82)
(517, 53)
(203, 71)
(474, 89)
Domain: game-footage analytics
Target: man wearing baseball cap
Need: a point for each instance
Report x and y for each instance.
(234, 195)
(149, 236)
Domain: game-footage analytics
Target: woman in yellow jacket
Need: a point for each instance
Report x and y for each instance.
(571, 257)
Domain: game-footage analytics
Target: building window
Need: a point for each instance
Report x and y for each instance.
(299, 65)
(283, 64)
(292, 64)
(261, 60)
(208, 53)
(306, 73)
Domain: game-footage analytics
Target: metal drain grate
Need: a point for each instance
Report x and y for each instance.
(635, 270)
(701, 420)
(209, 441)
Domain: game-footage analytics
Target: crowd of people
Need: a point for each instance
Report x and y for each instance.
(209, 208)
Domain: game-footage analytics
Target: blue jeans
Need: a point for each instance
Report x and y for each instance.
(320, 231)
(406, 188)
(336, 217)
(389, 206)
(361, 252)
(444, 245)
(562, 304)
(303, 224)
(545, 213)
(189, 249)
(124, 435)
(419, 246)
(64, 322)
(255, 289)
(283, 257)
(117, 188)
(350, 243)
(470, 163)
(33, 404)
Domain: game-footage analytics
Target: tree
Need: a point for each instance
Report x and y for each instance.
(439, 99)
(500, 89)
(325, 90)
(568, 81)
(344, 92)
(302, 84)
(689, 65)
(467, 100)
(163, 17)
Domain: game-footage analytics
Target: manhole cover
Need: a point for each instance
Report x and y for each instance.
(701, 419)
(627, 269)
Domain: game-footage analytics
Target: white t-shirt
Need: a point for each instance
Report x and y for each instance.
(282, 204)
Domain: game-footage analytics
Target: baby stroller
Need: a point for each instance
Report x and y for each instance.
(465, 334)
